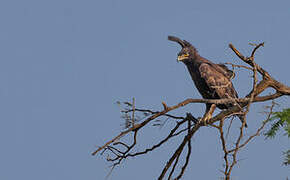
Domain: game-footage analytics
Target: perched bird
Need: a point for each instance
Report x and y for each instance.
(213, 81)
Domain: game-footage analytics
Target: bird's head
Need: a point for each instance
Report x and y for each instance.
(188, 52)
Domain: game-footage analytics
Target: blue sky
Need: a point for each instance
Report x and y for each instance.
(64, 64)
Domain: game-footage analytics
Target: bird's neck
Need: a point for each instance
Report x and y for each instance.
(197, 59)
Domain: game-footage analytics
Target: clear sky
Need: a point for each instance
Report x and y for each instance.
(64, 64)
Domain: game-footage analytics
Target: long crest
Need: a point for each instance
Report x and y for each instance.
(186, 43)
(183, 44)
(179, 41)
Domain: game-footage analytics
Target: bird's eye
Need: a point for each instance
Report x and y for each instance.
(186, 54)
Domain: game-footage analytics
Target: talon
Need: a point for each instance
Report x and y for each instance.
(207, 117)
(208, 113)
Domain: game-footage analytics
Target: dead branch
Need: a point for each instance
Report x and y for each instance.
(114, 146)
(239, 66)
(257, 133)
(179, 150)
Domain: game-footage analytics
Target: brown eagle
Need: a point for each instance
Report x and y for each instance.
(213, 81)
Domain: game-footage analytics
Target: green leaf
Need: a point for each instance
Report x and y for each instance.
(287, 158)
(279, 119)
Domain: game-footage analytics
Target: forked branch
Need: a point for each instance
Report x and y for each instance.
(188, 125)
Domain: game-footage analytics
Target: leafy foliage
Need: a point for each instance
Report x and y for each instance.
(287, 158)
(280, 120)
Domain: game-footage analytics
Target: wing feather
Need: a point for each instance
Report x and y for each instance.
(217, 81)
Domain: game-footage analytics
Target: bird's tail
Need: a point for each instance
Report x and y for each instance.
(243, 118)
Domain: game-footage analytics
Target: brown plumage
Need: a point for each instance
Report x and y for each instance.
(213, 81)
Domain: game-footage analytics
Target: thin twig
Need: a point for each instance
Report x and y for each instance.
(188, 154)
(133, 113)
(113, 146)
(239, 66)
(257, 133)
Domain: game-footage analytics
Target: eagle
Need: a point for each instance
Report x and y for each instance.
(213, 81)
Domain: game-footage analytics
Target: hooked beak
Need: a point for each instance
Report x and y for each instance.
(182, 57)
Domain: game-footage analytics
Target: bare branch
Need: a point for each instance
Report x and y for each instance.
(224, 146)
(179, 150)
(257, 133)
(170, 135)
(188, 153)
(120, 150)
(255, 49)
(239, 66)
(133, 114)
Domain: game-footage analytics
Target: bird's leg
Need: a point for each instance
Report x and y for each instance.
(208, 113)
